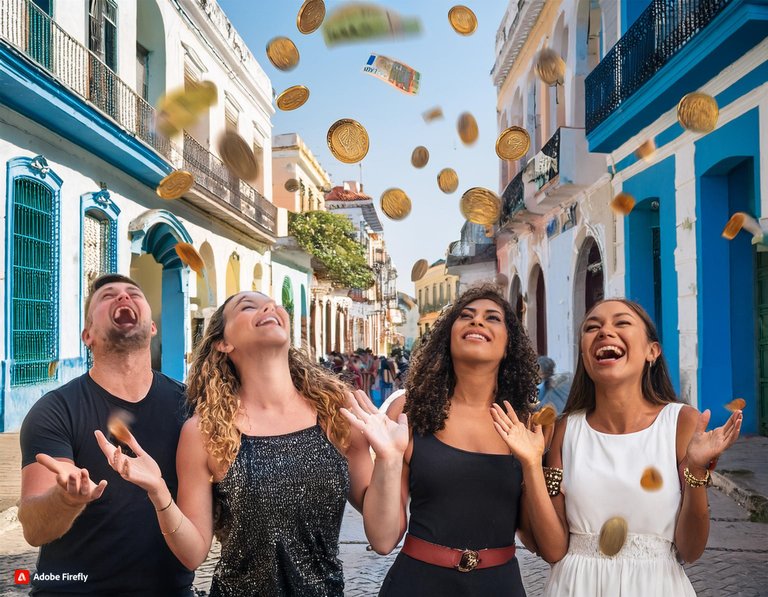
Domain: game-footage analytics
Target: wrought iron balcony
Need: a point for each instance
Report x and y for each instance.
(545, 163)
(657, 35)
(461, 252)
(513, 199)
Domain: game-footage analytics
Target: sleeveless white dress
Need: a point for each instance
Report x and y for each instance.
(601, 479)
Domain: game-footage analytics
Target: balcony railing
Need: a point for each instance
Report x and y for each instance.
(461, 252)
(513, 198)
(657, 35)
(211, 174)
(546, 162)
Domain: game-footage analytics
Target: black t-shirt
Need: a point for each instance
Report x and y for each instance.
(116, 540)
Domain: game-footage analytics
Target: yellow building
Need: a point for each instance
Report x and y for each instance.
(433, 292)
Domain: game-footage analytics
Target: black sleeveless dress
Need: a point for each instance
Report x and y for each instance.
(465, 500)
(278, 517)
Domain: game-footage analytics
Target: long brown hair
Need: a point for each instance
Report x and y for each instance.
(213, 385)
(656, 384)
(431, 378)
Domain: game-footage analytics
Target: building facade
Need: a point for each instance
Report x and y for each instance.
(436, 289)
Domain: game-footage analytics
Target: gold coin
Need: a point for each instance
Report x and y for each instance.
(175, 184)
(550, 67)
(462, 19)
(698, 112)
(448, 180)
(646, 150)
(432, 114)
(420, 157)
(189, 256)
(467, 126)
(546, 416)
(395, 204)
(513, 143)
(292, 185)
(182, 107)
(237, 156)
(651, 479)
(118, 429)
(623, 203)
(613, 534)
(311, 15)
(734, 225)
(292, 98)
(419, 269)
(52, 366)
(501, 280)
(480, 206)
(348, 140)
(282, 52)
(736, 404)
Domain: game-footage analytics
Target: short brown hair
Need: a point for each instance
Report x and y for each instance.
(103, 280)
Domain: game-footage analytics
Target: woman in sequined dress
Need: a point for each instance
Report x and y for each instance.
(267, 462)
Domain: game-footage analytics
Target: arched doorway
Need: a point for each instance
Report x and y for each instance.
(257, 284)
(328, 328)
(516, 298)
(588, 286)
(287, 302)
(537, 310)
(232, 284)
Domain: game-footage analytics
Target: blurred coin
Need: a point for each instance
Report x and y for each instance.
(419, 269)
(489, 231)
(118, 425)
(698, 112)
(311, 15)
(52, 367)
(513, 143)
(181, 108)
(395, 204)
(462, 19)
(432, 114)
(501, 280)
(646, 150)
(292, 185)
(189, 256)
(736, 404)
(734, 225)
(348, 140)
(419, 157)
(175, 184)
(544, 417)
(613, 534)
(623, 203)
(480, 206)
(467, 126)
(550, 67)
(651, 479)
(237, 156)
(292, 98)
(448, 180)
(282, 52)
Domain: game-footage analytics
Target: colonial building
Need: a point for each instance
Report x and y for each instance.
(434, 290)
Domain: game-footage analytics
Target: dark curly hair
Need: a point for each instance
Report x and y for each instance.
(431, 378)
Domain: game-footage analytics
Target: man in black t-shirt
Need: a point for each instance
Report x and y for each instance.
(98, 534)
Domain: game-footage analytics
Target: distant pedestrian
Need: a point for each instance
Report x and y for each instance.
(387, 373)
(553, 388)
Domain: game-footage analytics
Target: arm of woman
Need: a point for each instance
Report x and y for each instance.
(696, 448)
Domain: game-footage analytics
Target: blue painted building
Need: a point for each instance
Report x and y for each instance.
(708, 295)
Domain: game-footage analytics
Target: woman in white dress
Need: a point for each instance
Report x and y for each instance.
(622, 417)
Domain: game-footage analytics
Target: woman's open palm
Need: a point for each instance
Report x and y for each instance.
(527, 445)
(706, 446)
(385, 436)
(140, 470)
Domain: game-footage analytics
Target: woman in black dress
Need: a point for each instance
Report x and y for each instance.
(465, 488)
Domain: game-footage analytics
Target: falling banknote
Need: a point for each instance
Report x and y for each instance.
(360, 21)
(397, 74)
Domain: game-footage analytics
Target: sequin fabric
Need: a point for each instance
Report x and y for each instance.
(278, 517)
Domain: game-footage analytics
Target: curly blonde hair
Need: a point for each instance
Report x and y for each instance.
(213, 386)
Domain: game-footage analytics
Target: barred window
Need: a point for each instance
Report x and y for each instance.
(34, 294)
(96, 244)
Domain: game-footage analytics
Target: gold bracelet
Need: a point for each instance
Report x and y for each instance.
(177, 526)
(166, 507)
(553, 477)
(695, 481)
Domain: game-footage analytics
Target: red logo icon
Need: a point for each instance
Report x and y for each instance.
(21, 577)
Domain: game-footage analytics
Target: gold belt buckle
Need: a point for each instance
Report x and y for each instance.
(469, 561)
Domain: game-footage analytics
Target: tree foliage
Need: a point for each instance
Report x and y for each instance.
(329, 238)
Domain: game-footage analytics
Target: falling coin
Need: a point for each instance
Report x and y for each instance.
(189, 256)
(52, 367)
(480, 206)
(348, 140)
(175, 184)
(734, 225)
(420, 157)
(546, 416)
(467, 126)
(292, 98)
(311, 15)
(292, 185)
(651, 479)
(237, 156)
(736, 404)
(698, 112)
(489, 231)
(181, 108)
(623, 203)
(513, 143)
(613, 535)
(646, 150)
(419, 269)
(432, 114)
(282, 52)
(117, 425)
(395, 204)
(501, 280)
(448, 180)
(462, 19)
(550, 67)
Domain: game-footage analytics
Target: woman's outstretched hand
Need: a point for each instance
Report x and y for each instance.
(706, 446)
(389, 439)
(527, 445)
(141, 470)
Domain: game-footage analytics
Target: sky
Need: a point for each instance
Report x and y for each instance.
(454, 75)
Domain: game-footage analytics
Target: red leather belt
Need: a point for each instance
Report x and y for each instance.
(463, 560)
